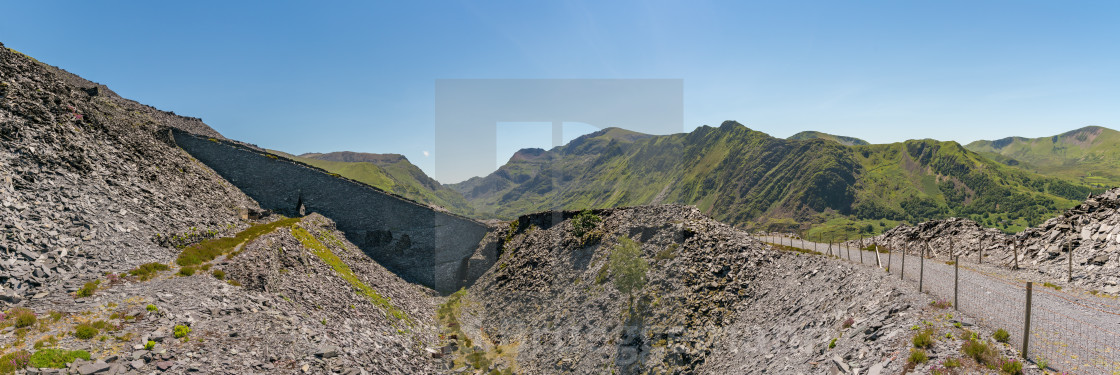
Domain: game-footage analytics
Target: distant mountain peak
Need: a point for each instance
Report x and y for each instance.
(527, 154)
(731, 124)
(844, 140)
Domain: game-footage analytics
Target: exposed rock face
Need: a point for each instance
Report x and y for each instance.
(91, 183)
(1092, 230)
(715, 301)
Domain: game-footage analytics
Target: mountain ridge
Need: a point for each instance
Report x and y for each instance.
(746, 177)
(1089, 155)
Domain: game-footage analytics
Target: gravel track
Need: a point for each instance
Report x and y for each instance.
(1073, 332)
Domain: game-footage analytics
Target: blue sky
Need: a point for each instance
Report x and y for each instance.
(306, 77)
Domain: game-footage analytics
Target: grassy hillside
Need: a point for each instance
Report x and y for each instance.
(1090, 155)
(389, 172)
(809, 134)
(746, 177)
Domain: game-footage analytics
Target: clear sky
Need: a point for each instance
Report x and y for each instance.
(327, 76)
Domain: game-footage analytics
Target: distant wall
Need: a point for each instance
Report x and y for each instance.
(418, 243)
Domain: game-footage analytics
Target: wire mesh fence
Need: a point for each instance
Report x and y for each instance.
(1068, 331)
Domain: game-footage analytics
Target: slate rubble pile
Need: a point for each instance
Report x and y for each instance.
(715, 301)
(87, 182)
(293, 315)
(1091, 230)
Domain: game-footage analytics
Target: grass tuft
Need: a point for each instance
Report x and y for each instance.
(343, 270)
(147, 271)
(207, 250)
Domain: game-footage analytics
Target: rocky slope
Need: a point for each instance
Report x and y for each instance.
(1091, 229)
(281, 303)
(91, 183)
(714, 301)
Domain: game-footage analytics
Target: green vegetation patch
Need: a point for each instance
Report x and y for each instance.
(88, 289)
(85, 331)
(343, 270)
(147, 271)
(918, 356)
(182, 331)
(207, 250)
(21, 317)
(627, 267)
(13, 361)
(56, 358)
(1001, 335)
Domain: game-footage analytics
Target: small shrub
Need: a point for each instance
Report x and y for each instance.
(56, 358)
(105, 326)
(1051, 286)
(22, 317)
(941, 304)
(1001, 335)
(848, 323)
(147, 271)
(152, 308)
(149, 345)
(85, 331)
(584, 223)
(219, 274)
(181, 331)
(979, 351)
(88, 289)
(233, 282)
(832, 344)
(924, 339)
(55, 315)
(1011, 366)
(918, 356)
(951, 363)
(186, 271)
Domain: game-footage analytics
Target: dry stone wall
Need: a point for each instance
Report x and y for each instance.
(417, 242)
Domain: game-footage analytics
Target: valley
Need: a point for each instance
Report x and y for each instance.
(138, 241)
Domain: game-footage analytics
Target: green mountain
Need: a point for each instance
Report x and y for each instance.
(746, 177)
(1090, 155)
(809, 134)
(389, 172)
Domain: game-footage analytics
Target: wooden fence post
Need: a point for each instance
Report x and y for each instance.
(902, 271)
(889, 260)
(860, 249)
(1015, 253)
(1069, 253)
(1027, 323)
(981, 260)
(878, 261)
(921, 267)
(956, 276)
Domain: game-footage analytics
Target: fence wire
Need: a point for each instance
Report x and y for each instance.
(1069, 332)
